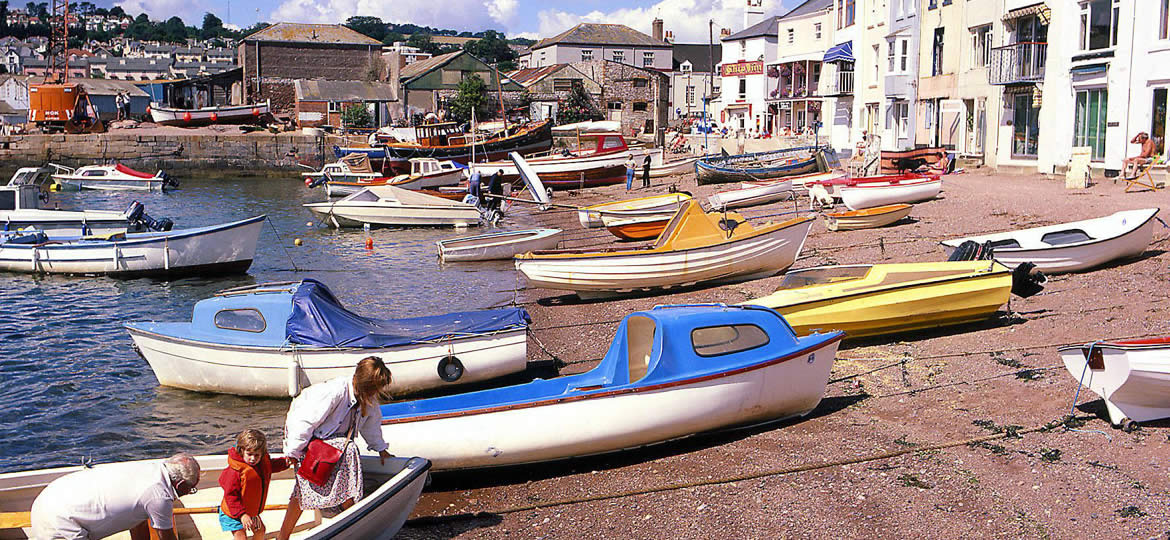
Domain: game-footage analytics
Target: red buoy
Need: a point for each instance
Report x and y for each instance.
(255, 111)
(369, 243)
(186, 117)
(214, 117)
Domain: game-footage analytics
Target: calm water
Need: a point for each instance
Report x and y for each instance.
(71, 386)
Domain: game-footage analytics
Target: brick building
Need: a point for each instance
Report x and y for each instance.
(637, 98)
(550, 86)
(320, 103)
(275, 57)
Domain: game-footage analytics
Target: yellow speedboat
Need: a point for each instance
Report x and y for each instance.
(871, 300)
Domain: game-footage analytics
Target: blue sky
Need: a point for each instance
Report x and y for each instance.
(528, 18)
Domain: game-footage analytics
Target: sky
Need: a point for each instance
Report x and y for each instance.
(516, 18)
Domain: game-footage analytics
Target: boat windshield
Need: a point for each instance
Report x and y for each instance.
(821, 276)
(364, 196)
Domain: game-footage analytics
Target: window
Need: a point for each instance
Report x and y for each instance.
(647, 59)
(742, 50)
(791, 36)
(742, 88)
(1025, 126)
(720, 340)
(936, 64)
(1164, 20)
(890, 55)
(7, 200)
(614, 106)
(334, 107)
(245, 320)
(877, 61)
(649, 126)
(846, 12)
(902, 119)
(641, 83)
(686, 67)
(817, 26)
(562, 85)
(619, 56)
(1099, 24)
(1089, 124)
(981, 45)
(932, 5)
(905, 46)
(586, 55)
(1158, 125)
(690, 95)
(639, 106)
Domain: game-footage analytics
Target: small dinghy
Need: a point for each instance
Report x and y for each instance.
(638, 228)
(275, 339)
(655, 205)
(756, 194)
(672, 168)
(869, 218)
(1071, 247)
(1132, 376)
(391, 492)
(201, 251)
(496, 246)
(830, 188)
(671, 372)
(865, 194)
(389, 206)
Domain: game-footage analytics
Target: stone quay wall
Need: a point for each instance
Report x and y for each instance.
(251, 154)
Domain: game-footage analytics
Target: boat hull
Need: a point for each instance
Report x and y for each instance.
(497, 246)
(755, 195)
(227, 248)
(864, 196)
(636, 229)
(672, 168)
(749, 167)
(237, 114)
(788, 387)
(76, 183)
(358, 214)
(532, 140)
(1134, 379)
(870, 218)
(590, 216)
(283, 372)
(590, 275)
(429, 181)
(565, 169)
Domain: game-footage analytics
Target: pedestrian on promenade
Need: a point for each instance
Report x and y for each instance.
(646, 172)
(630, 168)
(95, 503)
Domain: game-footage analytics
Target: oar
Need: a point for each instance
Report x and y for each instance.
(214, 509)
(23, 520)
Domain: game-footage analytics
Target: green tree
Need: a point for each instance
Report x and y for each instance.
(4, 17)
(212, 26)
(491, 48)
(371, 27)
(423, 42)
(578, 107)
(393, 37)
(471, 94)
(174, 30)
(356, 115)
(117, 11)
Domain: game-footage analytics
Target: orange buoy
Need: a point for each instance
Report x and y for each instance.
(369, 243)
(186, 117)
(214, 117)
(148, 109)
(255, 111)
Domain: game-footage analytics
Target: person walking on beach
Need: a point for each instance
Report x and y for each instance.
(646, 172)
(332, 412)
(245, 485)
(120, 104)
(108, 499)
(630, 168)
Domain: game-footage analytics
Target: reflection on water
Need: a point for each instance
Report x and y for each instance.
(72, 384)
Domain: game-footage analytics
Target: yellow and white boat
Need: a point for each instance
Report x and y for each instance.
(871, 300)
(657, 205)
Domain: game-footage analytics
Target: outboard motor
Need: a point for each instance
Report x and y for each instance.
(319, 181)
(1027, 281)
(167, 180)
(137, 218)
(972, 251)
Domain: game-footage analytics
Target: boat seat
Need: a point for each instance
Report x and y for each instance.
(112, 237)
(1142, 179)
(1009, 243)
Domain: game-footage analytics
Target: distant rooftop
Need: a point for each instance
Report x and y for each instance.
(311, 33)
(601, 34)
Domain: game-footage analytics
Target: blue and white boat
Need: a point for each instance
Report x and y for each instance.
(670, 372)
(721, 169)
(200, 251)
(275, 339)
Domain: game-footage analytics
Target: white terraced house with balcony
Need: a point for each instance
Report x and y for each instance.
(743, 99)
(796, 83)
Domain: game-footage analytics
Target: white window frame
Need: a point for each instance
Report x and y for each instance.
(1114, 22)
(891, 48)
(903, 57)
(981, 45)
(742, 88)
(877, 62)
(618, 56)
(334, 107)
(817, 27)
(586, 55)
(791, 36)
(1164, 20)
(648, 59)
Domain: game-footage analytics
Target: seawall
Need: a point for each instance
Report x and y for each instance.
(251, 154)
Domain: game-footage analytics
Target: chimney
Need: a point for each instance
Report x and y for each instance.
(656, 33)
(724, 32)
(753, 12)
(670, 36)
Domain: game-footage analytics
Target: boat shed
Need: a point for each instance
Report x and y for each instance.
(103, 95)
(219, 89)
(427, 85)
(320, 103)
(550, 86)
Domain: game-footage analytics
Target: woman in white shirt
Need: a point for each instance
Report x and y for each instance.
(331, 411)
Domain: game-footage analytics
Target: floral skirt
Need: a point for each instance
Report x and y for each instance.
(345, 482)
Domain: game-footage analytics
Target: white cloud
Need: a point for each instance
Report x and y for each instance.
(502, 10)
(687, 19)
(191, 11)
(472, 15)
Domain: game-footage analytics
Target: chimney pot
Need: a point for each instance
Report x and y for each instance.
(656, 27)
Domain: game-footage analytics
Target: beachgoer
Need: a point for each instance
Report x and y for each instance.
(332, 411)
(646, 172)
(1143, 157)
(108, 499)
(630, 168)
(120, 104)
(245, 485)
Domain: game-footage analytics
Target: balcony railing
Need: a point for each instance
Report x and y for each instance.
(1017, 63)
(842, 85)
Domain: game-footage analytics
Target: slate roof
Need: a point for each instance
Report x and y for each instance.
(809, 7)
(530, 76)
(601, 34)
(319, 90)
(766, 27)
(312, 33)
(107, 87)
(418, 67)
(138, 64)
(699, 54)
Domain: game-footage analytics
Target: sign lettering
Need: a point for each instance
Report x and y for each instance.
(743, 68)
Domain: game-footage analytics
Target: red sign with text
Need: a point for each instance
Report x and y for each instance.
(743, 68)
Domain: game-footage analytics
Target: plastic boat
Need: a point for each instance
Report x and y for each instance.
(655, 205)
(391, 206)
(754, 195)
(866, 194)
(670, 372)
(1132, 376)
(275, 339)
(869, 218)
(1071, 247)
(115, 177)
(20, 208)
(496, 246)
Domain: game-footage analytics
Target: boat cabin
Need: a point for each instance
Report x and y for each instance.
(444, 134)
(603, 143)
(20, 197)
(429, 166)
(35, 176)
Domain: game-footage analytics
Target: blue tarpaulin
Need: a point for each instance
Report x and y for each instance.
(840, 53)
(318, 319)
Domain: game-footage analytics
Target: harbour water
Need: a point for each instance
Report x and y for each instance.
(71, 386)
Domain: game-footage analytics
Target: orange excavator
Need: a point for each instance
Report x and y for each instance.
(57, 104)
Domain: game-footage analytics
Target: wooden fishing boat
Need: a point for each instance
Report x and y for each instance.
(447, 141)
(1132, 376)
(389, 206)
(498, 245)
(116, 177)
(905, 160)
(671, 372)
(757, 166)
(392, 490)
(602, 164)
(879, 299)
(275, 339)
(672, 168)
(754, 195)
(224, 114)
(1071, 247)
(590, 216)
(202, 251)
(695, 248)
(869, 218)
(864, 195)
(638, 228)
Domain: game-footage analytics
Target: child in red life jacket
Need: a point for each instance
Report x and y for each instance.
(245, 485)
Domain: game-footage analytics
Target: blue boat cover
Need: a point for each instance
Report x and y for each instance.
(840, 53)
(318, 319)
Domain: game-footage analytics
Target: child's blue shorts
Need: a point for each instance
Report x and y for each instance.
(228, 523)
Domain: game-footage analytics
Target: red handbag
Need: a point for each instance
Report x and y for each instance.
(321, 458)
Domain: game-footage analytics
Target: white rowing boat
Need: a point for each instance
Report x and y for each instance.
(755, 195)
(873, 194)
(1071, 247)
(1132, 376)
(590, 216)
(498, 245)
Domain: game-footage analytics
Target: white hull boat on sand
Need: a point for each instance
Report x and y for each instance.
(755, 195)
(497, 246)
(1071, 247)
(275, 339)
(671, 372)
(223, 114)
(873, 194)
(392, 490)
(672, 168)
(590, 216)
(216, 249)
(391, 206)
(1133, 376)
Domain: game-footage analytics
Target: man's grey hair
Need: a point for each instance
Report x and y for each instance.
(182, 466)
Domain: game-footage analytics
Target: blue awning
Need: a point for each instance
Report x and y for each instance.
(840, 53)
(1090, 70)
